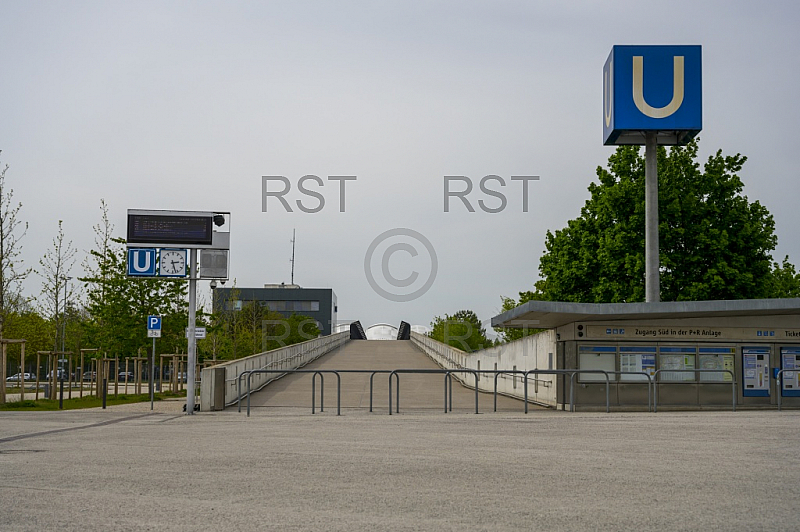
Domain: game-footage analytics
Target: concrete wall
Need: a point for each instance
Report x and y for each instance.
(289, 357)
(537, 351)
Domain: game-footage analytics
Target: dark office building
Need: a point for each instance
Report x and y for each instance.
(317, 303)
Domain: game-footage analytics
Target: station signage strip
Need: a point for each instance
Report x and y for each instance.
(630, 332)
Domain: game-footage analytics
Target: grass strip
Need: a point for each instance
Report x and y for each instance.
(88, 401)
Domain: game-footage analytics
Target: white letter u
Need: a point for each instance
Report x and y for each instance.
(677, 89)
(137, 261)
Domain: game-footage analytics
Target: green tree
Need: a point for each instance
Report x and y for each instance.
(244, 328)
(714, 242)
(462, 330)
(12, 230)
(56, 266)
(300, 328)
(785, 280)
(507, 334)
(118, 306)
(28, 324)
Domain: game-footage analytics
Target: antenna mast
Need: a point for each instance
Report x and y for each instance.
(292, 260)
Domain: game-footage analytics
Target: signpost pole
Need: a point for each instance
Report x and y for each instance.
(666, 107)
(152, 369)
(149, 231)
(192, 355)
(652, 276)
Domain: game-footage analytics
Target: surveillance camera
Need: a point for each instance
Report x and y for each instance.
(213, 284)
(222, 282)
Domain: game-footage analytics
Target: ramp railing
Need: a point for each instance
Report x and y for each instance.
(665, 370)
(285, 358)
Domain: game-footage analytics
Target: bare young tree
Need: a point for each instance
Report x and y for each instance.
(96, 264)
(56, 266)
(12, 230)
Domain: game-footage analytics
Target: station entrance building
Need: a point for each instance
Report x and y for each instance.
(754, 344)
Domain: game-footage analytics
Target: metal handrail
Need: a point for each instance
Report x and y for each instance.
(316, 372)
(497, 374)
(571, 373)
(449, 377)
(321, 391)
(339, 371)
(657, 382)
(649, 384)
(372, 378)
(447, 381)
(265, 366)
(572, 387)
(396, 373)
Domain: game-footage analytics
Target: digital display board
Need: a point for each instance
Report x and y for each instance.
(163, 229)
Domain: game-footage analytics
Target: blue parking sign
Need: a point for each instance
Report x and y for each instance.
(142, 262)
(154, 327)
(153, 323)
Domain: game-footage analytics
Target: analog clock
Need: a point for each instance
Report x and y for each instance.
(172, 263)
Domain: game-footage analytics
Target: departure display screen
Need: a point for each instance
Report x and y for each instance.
(160, 229)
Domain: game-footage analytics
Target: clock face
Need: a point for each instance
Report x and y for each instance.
(173, 262)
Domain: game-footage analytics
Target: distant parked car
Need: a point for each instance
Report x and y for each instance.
(90, 376)
(125, 375)
(21, 377)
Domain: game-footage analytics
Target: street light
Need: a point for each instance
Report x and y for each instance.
(64, 326)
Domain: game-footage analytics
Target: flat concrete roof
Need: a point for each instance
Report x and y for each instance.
(552, 314)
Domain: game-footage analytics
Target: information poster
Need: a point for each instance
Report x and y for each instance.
(677, 358)
(718, 359)
(637, 359)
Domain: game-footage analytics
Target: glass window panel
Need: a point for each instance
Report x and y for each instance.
(597, 357)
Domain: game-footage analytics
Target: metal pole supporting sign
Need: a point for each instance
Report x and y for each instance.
(153, 331)
(192, 358)
(652, 95)
(164, 244)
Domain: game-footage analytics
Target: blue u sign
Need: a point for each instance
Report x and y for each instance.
(142, 262)
(652, 88)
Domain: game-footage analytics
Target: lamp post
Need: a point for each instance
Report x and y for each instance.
(61, 354)
(64, 314)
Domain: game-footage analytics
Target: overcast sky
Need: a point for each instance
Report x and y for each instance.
(186, 105)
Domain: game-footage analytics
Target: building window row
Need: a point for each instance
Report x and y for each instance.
(279, 306)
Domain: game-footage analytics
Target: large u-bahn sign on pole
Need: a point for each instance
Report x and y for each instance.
(652, 95)
(165, 244)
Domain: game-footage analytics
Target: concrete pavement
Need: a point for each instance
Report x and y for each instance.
(126, 468)
(106, 470)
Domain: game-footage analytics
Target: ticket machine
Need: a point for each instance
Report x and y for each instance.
(790, 377)
(755, 370)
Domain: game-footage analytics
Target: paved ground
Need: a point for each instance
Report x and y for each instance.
(96, 470)
(417, 392)
(126, 468)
